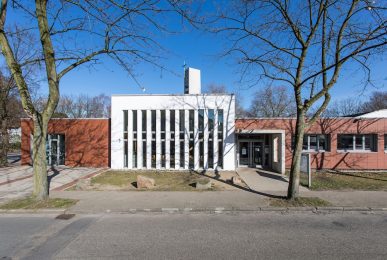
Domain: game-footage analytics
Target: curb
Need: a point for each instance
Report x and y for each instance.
(234, 210)
(214, 210)
(33, 211)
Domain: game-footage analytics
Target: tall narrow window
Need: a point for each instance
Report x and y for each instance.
(144, 122)
(172, 145)
(201, 138)
(134, 157)
(162, 117)
(181, 133)
(220, 138)
(125, 138)
(211, 138)
(191, 138)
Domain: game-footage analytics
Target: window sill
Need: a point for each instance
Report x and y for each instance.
(354, 151)
(314, 151)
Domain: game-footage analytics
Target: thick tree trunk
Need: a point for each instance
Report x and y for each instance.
(4, 142)
(39, 158)
(294, 178)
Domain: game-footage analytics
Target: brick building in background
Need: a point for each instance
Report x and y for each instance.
(199, 131)
(355, 143)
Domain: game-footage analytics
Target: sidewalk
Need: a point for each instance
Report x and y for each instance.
(16, 181)
(122, 201)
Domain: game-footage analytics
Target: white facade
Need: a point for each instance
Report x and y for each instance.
(179, 132)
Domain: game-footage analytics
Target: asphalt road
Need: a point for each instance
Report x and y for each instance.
(196, 236)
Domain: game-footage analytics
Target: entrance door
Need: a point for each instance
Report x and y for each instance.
(257, 153)
(55, 149)
(250, 153)
(244, 154)
(53, 160)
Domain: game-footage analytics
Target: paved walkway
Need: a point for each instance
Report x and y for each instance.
(17, 181)
(128, 201)
(124, 201)
(260, 180)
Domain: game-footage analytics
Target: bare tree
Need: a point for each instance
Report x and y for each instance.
(377, 101)
(345, 107)
(303, 45)
(10, 105)
(7, 99)
(272, 102)
(221, 89)
(84, 106)
(73, 33)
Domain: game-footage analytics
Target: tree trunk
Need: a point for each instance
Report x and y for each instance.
(294, 178)
(39, 158)
(4, 142)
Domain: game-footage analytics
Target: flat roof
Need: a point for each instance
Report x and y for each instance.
(72, 118)
(284, 118)
(203, 94)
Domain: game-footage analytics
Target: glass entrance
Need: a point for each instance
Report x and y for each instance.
(244, 158)
(257, 153)
(250, 153)
(54, 152)
(55, 149)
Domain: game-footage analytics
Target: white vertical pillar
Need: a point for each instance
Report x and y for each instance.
(205, 140)
(196, 139)
(148, 139)
(139, 139)
(167, 138)
(215, 139)
(186, 139)
(177, 139)
(158, 139)
(130, 138)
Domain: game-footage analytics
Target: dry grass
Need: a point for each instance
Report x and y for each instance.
(299, 202)
(165, 181)
(32, 203)
(373, 181)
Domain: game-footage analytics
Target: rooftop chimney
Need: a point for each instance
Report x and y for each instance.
(192, 83)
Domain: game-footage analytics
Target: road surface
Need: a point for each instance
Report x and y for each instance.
(261, 235)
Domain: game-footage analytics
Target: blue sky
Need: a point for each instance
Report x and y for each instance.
(200, 50)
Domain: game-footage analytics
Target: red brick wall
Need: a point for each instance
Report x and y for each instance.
(87, 141)
(332, 159)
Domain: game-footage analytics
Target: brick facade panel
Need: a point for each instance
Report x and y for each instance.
(333, 159)
(87, 141)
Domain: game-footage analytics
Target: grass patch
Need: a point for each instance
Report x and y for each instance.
(299, 202)
(31, 203)
(164, 180)
(372, 181)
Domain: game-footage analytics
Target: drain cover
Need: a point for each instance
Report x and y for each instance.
(65, 216)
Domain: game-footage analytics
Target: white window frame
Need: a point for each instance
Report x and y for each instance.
(354, 149)
(327, 139)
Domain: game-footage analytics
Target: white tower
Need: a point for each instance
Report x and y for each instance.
(192, 84)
